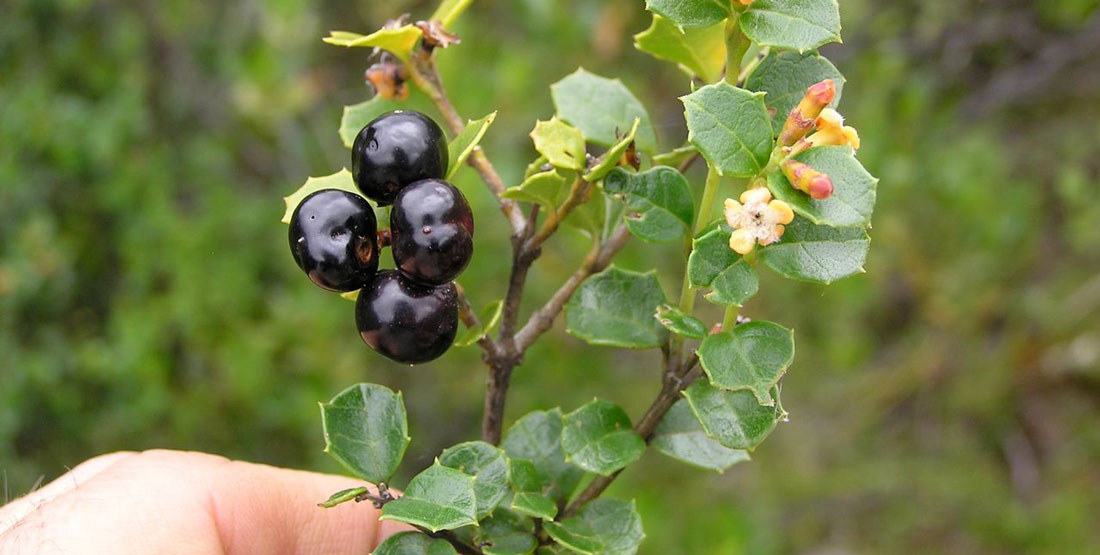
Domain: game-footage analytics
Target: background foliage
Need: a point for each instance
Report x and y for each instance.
(945, 401)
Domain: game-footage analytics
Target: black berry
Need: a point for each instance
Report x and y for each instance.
(334, 239)
(405, 321)
(432, 232)
(395, 150)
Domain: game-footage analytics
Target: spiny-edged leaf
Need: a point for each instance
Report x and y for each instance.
(674, 320)
(854, 189)
(546, 188)
(675, 156)
(680, 436)
(366, 430)
(487, 465)
(439, 498)
(598, 437)
(793, 24)
(615, 308)
(602, 527)
(342, 496)
(560, 143)
(449, 10)
(661, 207)
(731, 128)
(818, 254)
(611, 158)
(340, 180)
(734, 418)
(413, 543)
(590, 217)
(691, 13)
(529, 489)
(601, 108)
(507, 533)
(699, 51)
(464, 143)
(752, 356)
(357, 116)
(786, 75)
(537, 438)
(489, 319)
(399, 41)
(538, 165)
(714, 264)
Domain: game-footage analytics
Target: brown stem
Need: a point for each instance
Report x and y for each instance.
(691, 158)
(578, 194)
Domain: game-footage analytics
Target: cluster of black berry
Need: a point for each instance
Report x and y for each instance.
(409, 314)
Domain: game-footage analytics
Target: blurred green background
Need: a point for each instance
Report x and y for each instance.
(946, 401)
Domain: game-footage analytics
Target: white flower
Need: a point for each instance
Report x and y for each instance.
(756, 219)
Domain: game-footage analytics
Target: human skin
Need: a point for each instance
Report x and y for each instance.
(185, 502)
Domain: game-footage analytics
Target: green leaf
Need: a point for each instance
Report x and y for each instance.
(530, 490)
(602, 527)
(714, 264)
(462, 145)
(576, 535)
(413, 543)
(700, 51)
(660, 201)
(818, 254)
(487, 465)
(674, 157)
(734, 418)
(731, 128)
(590, 217)
(674, 320)
(785, 76)
(366, 431)
(854, 189)
(615, 308)
(545, 188)
(600, 108)
(599, 437)
(752, 356)
(793, 24)
(399, 41)
(537, 438)
(439, 498)
(449, 10)
(611, 158)
(489, 320)
(560, 143)
(691, 13)
(342, 496)
(507, 533)
(680, 436)
(340, 180)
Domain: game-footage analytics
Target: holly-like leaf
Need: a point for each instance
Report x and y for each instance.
(793, 24)
(340, 180)
(690, 13)
(714, 264)
(674, 320)
(660, 202)
(413, 543)
(487, 465)
(560, 143)
(462, 145)
(529, 489)
(731, 128)
(611, 158)
(449, 10)
(854, 189)
(700, 51)
(734, 418)
(399, 41)
(601, 108)
(342, 496)
(599, 437)
(545, 188)
(366, 430)
(615, 308)
(489, 320)
(786, 75)
(507, 533)
(537, 438)
(680, 436)
(818, 254)
(602, 527)
(439, 498)
(752, 356)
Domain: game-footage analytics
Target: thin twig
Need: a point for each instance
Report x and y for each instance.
(687, 162)
(578, 194)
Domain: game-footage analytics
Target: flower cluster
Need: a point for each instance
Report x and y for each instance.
(756, 219)
(812, 113)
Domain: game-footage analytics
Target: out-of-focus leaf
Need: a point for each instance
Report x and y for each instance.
(507, 533)
(699, 51)
(342, 496)
(399, 41)
(340, 180)
(602, 109)
(690, 13)
(449, 10)
(489, 320)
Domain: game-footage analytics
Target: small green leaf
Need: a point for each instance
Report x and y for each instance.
(366, 431)
(340, 180)
(545, 188)
(560, 143)
(615, 308)
(576, 535)
(462, 145)
(818, 254)
(611, 158)
(537, 438)
(700, 51)
(530, 490)
(674, 157)
(601, 108)
(734, 418)
(439, 498)
(752, 356)
(691, 13)
(599, 437)
(448, 11)
(714, 264)
(590, 217)
(854, 189)
(680, 436)
(660, 201)
(674, 320)
(487, 465)
(731, 128)
(413, 543)
(507, 533)
(602, 527)
(342, 496)
(399, 41)
(793, 24)
(785, 76)
(489, 320)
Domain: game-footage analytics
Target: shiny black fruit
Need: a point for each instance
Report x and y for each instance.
(394, 150)
(432, 232)
(334, 239)
(406, 321)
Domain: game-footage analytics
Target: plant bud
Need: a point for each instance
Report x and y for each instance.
(808, 180)
(801, 118)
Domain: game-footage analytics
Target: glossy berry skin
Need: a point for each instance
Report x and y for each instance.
(394, 150)
(433, 232)
(334, 239)
(405, 321)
